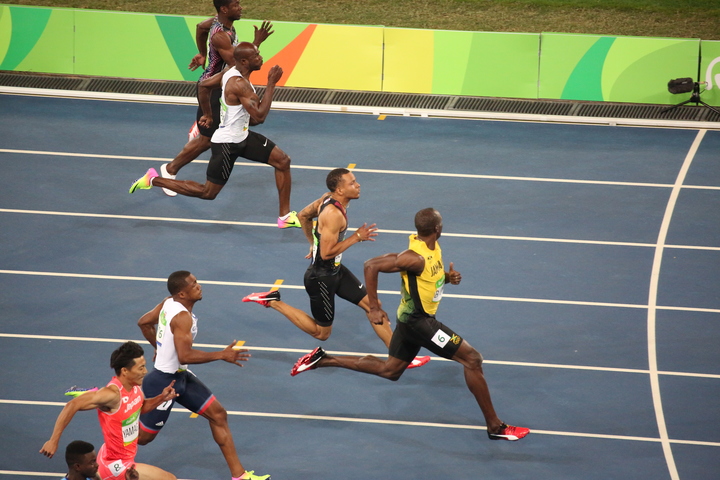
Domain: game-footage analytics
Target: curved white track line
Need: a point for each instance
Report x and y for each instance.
(652, 307)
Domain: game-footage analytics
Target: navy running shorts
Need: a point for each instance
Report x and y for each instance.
(192, 394)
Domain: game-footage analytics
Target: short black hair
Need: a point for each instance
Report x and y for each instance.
(76, 450)
(334, 177)
(125, 355)
(177, 281)
(220, 3)
(426, 220)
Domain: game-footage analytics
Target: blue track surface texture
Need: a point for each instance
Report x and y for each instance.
(589, 257)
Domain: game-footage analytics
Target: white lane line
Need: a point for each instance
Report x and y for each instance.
(405, 423)
(399, 232)
(652, 307)
(384, 292)
(364, 170)
(339, 352)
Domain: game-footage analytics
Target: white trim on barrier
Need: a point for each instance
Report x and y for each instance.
(370, 110)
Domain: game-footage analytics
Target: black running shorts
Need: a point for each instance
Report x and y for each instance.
(255, 147)
(423, 331)
(322, 291)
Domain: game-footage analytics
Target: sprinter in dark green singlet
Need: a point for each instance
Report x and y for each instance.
(423, 279)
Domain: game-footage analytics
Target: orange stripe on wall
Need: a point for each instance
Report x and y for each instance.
(287, 58)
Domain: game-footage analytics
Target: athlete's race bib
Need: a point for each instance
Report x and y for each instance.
(130, 428)
(440, 338)
(116, 468)
(439, 287)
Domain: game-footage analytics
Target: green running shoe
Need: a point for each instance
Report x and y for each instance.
(250, 475)
(76, 391)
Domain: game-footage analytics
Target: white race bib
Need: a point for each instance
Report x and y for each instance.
(440, 338)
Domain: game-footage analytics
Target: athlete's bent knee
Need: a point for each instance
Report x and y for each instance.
(280, 160)
(218, 416)
(208, 194)
(322, 336)
(474, 360)
(392, 375)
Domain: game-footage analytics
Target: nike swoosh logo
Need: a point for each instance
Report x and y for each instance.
(361, 286)
(265, 144)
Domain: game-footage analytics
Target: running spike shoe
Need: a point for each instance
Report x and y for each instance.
(76, 391)
(288, 221)
(308, 362)
(263, 298)
(508, 432)
(419, 362)
(145, 181)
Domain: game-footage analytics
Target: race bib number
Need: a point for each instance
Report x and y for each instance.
(439, 287)
(440, 338)
(131, 428)
(116, 468)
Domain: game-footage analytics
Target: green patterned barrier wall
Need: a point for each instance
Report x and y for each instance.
(709, 72)
(517, 65)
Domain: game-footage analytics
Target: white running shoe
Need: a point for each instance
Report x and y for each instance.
(164, 174)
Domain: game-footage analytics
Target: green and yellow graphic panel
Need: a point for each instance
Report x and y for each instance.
(502, 65)
(517, 65)
(338, 57)
(614, 69)
(464, 63)
(409, 57)
(710, 72)
(36, 39)
(129, 45)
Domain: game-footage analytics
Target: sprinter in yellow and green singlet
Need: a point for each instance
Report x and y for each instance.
(423, 280)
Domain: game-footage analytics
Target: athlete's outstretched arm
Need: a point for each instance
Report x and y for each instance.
(104, 398)
(202, 30)
(408, 261)
(181, 325)
(256, 108)
(205, 88)
(223, 45)
(330, 223)
(262, 33)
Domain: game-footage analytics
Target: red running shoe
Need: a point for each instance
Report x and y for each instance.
(307, 362)
(419, 362)
(508, 432)
(263, 298)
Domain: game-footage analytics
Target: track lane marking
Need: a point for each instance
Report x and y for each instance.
(652, 307)
(399, 232)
